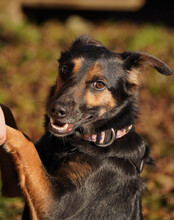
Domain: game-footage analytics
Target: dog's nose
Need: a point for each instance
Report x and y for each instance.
(59, 111)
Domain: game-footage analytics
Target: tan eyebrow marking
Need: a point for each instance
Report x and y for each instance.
(77, 64)
(95, 70)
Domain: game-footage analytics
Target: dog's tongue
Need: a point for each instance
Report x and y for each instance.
(2, 127)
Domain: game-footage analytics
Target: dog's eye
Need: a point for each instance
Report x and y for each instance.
(65, 70)
(99, 85)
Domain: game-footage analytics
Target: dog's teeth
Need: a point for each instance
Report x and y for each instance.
(65, 126)
(58, 128)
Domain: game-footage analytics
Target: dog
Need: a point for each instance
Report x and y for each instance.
(86, 166)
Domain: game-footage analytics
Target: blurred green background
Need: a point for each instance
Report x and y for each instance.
(29, 48)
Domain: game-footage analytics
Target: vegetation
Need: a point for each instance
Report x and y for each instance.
(28, 67)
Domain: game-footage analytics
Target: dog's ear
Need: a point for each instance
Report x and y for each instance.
(87, 40)
(134, 62)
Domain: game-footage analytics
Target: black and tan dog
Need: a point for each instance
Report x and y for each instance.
(87, 163)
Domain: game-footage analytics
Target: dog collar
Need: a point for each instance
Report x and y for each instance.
(100, 138)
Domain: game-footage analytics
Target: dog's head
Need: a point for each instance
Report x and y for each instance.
(96, 88)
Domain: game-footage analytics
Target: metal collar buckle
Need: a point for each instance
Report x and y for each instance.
(111, 141)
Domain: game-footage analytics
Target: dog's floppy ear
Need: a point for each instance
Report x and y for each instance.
(133, 62)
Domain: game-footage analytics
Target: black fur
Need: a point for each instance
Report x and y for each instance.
(113, 188)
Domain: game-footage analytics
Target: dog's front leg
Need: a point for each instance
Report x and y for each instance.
(34, 180)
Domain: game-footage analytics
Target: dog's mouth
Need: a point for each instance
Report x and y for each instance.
(59, 128)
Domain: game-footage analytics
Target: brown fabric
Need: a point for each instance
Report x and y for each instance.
(10, 187)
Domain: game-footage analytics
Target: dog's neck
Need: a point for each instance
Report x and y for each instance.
(107, 137)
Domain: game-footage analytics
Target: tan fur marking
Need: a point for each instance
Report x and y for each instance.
(133, 77)
(133, 80)
(95, 70)
(34, 180)
(77, 64)
(103, 99)
(76, 171)
(102, 112)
